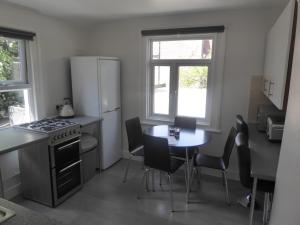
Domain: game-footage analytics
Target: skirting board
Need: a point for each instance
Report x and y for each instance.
(232, 175)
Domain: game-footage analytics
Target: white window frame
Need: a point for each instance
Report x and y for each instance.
(215, 79)
(27, 82)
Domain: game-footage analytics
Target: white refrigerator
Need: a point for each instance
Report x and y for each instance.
(96, 92)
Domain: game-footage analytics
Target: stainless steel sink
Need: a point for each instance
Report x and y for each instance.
(5, 214)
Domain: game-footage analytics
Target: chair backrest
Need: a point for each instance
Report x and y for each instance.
(185, 122)
(241, 125)
(156, 153)
(134, 133)
(229, 146)
(244, 159)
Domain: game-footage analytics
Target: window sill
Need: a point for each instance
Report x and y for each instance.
(155, 122)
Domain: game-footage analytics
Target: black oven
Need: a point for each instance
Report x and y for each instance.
(66, 169)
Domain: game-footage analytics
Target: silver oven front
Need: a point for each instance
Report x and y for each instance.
(66, 169)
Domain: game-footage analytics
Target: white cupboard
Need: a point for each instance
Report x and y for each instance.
(278, 57)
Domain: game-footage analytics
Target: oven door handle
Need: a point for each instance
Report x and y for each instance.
(70, 166)
(68, 145)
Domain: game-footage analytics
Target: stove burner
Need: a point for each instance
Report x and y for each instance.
(47, 125)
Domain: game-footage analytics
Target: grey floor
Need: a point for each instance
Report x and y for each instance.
(106, 200)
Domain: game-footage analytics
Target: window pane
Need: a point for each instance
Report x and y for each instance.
(182, 49)
(12, 59)
(161, 90)
(14, 108)
(192, 90)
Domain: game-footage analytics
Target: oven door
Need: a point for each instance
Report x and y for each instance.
(65, 154)
(66, 181)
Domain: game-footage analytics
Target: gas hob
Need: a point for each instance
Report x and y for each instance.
(59, 130)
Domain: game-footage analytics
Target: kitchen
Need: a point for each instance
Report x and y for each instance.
(120, 38)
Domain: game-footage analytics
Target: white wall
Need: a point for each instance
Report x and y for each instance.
(57, 41)
(246, 31)
(287, 192)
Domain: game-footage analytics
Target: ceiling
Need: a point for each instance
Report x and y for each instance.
(115, 9)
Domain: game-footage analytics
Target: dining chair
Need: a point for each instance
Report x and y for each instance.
(189, 123)
(241, 125)
(135, 141)
(219, 163)
(157, 157)
(244, 163)
(185, 122)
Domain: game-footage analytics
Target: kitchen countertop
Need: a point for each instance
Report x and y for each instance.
(264, 155)
(25, 216)
(13, 139)
(84, 120)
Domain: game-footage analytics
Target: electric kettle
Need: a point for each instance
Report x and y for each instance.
(66, 110)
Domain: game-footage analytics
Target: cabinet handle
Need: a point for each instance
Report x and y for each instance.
(269, 91)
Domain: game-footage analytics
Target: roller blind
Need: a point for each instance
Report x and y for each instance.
(17, 34)
(186, 30)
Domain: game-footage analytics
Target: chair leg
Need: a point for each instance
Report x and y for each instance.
(226, 188)
(147, 180)
(160, 178)
(171, 191)
(265, 209)
(190, 183)
(223, 179)
(198, 177)
(142, 184)
(126, 170)
(153, 178)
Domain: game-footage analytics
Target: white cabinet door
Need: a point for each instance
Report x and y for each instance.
(110, 84)
(111, 138)
(277, 55)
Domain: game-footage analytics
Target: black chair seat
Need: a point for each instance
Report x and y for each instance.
(139, 152)
(203, 160)
(175, 164)
(265, 186)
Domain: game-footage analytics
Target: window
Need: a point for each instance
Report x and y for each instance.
(183, 77)
(15, 88)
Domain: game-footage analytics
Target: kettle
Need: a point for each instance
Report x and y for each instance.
(66, 110)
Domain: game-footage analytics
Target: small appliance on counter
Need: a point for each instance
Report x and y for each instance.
(275, 125)
(265, 111)
(66, 110)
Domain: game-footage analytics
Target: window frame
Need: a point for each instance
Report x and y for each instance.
(174, 65)
(27, 81)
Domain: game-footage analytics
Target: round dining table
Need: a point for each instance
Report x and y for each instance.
(187, 140)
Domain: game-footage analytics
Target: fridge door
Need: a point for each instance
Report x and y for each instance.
(85, 88)
(109, 84)
(111, 138)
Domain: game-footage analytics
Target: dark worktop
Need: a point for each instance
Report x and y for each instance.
(12, 139)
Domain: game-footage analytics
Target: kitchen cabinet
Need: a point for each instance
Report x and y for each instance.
(279, 56)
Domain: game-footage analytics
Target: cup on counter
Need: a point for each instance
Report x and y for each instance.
(172, 131)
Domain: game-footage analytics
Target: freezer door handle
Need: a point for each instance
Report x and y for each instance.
(115, 109)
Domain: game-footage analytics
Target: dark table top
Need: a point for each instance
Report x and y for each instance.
(187, 139)
(264, 155)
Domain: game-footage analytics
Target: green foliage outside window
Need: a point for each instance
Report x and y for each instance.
(9, 54)
(193, 76)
